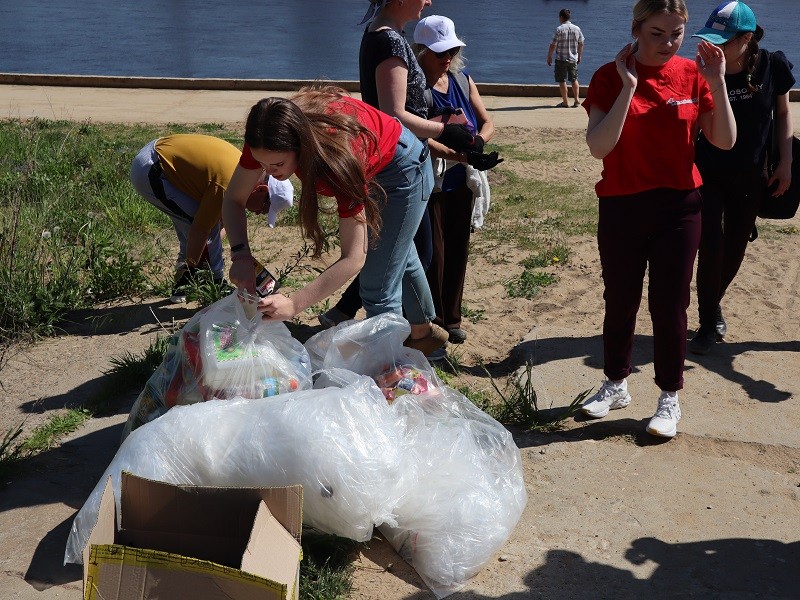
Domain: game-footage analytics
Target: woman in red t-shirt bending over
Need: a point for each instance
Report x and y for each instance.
(375, 168)
(644, 111)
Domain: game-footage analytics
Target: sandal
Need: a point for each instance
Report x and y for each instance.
(436, 338)
(562, 105)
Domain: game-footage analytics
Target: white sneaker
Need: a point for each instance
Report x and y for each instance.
(665, 422)
(611, 396)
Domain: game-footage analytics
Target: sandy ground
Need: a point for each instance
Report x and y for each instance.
(612, 512)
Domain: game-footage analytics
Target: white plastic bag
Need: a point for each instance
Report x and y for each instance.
(220, 353)
(462, 472)
(343, 444)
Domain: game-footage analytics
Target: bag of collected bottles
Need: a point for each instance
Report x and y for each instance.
(221, 353)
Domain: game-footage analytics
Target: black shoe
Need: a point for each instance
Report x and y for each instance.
(703, 341)
(183, 277)
(721, 326)
(456, 335)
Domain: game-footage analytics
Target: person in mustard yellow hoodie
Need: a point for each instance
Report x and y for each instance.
(185, 177)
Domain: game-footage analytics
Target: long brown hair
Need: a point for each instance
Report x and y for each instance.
(323, 140)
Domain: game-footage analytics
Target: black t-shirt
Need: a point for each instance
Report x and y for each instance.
(753, 113)
(376, 47)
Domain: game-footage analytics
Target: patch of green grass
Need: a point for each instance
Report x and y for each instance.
(326, 569)
(511, 152)
(525, 210)
(480, 398)
(324, 582)
(528, 284)
(137, 369)
(45, 436)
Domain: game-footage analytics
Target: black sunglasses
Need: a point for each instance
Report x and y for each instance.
(452, 52)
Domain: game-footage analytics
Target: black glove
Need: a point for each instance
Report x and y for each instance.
(457, 137)
(482, 161)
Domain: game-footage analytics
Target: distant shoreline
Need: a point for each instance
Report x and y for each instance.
(533, 90)
(280, 85)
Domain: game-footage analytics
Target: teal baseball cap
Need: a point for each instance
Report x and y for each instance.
(727, 21)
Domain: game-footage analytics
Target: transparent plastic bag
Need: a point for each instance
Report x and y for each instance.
(221, 353)
(342, 443)
(469, 491)
(462, 471)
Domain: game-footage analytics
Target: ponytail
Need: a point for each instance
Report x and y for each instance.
(752, 57)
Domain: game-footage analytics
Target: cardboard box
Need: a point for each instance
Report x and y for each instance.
(201, 543)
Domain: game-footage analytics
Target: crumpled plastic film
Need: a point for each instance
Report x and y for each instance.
(342, 444)
(464, 488)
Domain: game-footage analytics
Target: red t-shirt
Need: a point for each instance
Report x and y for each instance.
(656, 148)
(375, 156)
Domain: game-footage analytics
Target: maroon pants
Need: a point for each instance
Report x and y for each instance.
(660, 229)
(451, 220)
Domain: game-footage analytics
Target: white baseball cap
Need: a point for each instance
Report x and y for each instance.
(281, 194)
(437, 33)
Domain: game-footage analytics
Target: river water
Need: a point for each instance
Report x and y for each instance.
(506, 40)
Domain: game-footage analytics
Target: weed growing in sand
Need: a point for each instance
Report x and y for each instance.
(137, 368)
(12, 450)
(556, 254)
(474, 315)
(528, 284)
(519, 404)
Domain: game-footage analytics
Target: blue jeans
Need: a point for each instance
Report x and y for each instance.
(392, 279)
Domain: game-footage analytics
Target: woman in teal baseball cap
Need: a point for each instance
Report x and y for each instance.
(758, 83)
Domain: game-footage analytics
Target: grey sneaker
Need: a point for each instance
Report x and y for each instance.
(611, 396)
(665, 422)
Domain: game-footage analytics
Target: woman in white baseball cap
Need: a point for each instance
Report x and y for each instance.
(439, 52)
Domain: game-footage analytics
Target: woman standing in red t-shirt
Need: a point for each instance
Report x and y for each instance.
(644, 111)
(378, 172)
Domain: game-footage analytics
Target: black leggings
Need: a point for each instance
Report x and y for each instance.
(730, 207)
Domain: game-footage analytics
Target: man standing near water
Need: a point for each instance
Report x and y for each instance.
(568, 46)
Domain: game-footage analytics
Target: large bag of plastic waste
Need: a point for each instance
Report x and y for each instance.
(342, 444)
(221, 353)
(465, 490)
